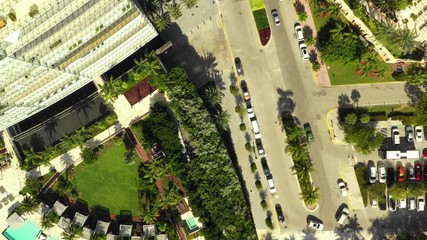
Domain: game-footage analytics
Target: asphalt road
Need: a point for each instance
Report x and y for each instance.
(278, 80)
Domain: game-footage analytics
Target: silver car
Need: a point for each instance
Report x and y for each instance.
(276, 18)
(304, 50)
(409, 133)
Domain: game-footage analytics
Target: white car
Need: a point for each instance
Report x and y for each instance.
(251, 113)
(304, 50)
(419, 133)
(298, 32)
(372, 174)
(342, 187)
(402, 203)
(374, 203)
(276, 18)
(420, 204)
(315, 225)
(382, 175)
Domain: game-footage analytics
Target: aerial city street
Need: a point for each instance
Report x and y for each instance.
(223, 119)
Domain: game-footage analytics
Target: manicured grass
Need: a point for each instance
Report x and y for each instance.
(391, 108)
(341, 74)
(257, 4)
(362, 180)
(261, 19)
(109, 181)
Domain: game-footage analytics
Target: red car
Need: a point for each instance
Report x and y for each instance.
(418, 172)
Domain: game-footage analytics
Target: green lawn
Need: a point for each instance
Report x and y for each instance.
(340, 74)
(362, 180)
(109, 181)
(391, 108)
(261, 19)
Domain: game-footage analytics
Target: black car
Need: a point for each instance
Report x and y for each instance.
(260, 147)
(390, 175)
(425, 172)
(245, 90)
(279, 212)
(239, 66)
(265, 167)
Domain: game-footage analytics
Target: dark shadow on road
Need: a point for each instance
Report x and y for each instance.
(355, 96)
(414, 93)
(308, 31)
(284, 103)
(299, 7)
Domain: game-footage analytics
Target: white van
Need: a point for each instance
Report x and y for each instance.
(420, 204)
(255, 127)
(271, 184)
(343, 215)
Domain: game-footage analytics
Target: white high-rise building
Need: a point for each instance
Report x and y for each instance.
(51, 48)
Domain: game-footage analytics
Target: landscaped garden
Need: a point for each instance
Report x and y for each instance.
(110, 181)
(348, 58)
(261, 20)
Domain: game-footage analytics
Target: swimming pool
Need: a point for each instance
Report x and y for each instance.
(191, 222)
(28, 231)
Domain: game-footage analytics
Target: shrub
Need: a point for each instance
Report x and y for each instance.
(315, 67)
(269, 223)
(240, 109)
(302, 16)
(33, 13)
(365, 118)
(264, 204)
(89, 155)
(234, 90)
(310, 41)
(248, 147)
(258, 184)
(242, 127)
(118, 141)
(253, 167)
(12, 16)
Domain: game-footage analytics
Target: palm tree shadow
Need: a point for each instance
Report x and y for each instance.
(309, 234)
(85, 108)
(284, 103)
(50, 130)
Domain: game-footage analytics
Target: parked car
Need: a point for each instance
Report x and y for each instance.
(374, 203)
(372, 174)
(409, 133)
(304, 51)
(402, 203)
(265, 167)
(400, 174)
(419, 133)
(391, 203)
(260, 147)
(420, 204)
(418, 172)
(343, 215)
(239, 66)
(395, 135)
(276, 18)
(381, 174)
(411, 174)
(425, 172)
(342, 187)
(308, 132)
(271, 184)
(251, 113)
(279, 212)
(315, 225)
(245, 91)
(390, 176)
(412, 204)
(299, 32)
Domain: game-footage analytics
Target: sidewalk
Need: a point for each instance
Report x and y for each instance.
(335, 132)
(322, 76)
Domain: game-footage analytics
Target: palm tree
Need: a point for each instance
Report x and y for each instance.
(28, 205)
(67, 141)
(32, 158)
(310, 195)
(174, 10)
(297, 147)
(84, 133)
(222, 118)
(302, 169)
(48, 221)
(162, 21)
(73, 232)
(111, 89)
(214, 95)
(385, 30)
(405, 40)
(98, 236)
(150, 213)
(32, 186)
(417, 77)
(189, 3)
